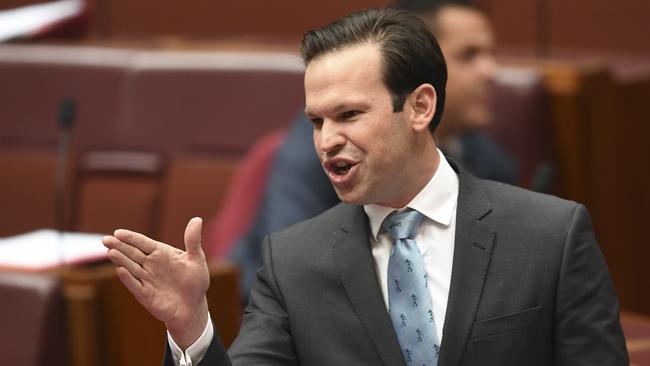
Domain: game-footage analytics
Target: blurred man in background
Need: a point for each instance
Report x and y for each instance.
(467, 41)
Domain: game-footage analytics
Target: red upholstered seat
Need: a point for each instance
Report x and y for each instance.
(243, 197)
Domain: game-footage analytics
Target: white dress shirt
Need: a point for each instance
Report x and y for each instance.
(194, 353)
(435, 239)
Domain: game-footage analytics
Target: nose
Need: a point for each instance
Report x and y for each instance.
(488, 66)
(328, 138)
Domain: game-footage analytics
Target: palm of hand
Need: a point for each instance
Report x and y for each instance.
(173, 283)
(170, 283)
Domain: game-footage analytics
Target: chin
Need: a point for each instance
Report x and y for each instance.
(351, 200)
(350, 197)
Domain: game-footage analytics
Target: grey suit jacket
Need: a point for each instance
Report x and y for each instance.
(529, 287)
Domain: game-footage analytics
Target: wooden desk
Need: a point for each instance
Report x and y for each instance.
(107, 326)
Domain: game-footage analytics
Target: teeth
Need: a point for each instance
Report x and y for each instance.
(341, 164)
(342, 169)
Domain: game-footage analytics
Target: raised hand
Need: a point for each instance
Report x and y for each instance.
(170, 283)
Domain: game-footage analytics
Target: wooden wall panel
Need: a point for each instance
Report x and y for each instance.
(601, 135)
(600, 25)
(502, 14)
(208, 18)
(632, 177)
(10, 4)
(616, 26)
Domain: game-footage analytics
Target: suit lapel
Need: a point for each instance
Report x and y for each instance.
(355, 263)
(472, 252)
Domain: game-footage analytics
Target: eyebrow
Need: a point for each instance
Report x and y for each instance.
(338, 108)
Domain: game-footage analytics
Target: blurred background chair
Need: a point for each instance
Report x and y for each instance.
(117, 189)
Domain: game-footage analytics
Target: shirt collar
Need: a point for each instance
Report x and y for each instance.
(436, 201)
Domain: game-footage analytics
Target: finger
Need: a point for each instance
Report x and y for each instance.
(130, 251)
(129, 281)
(145, 244)
(107, 241)
(120, 260)
(193, 236)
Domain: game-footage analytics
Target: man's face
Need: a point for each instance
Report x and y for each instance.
(364, 146)
(467, 41)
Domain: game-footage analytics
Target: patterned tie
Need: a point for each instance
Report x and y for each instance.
(408, 296)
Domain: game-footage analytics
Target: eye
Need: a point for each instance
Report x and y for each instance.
(316, 121)
(349, 114)
(469, 54)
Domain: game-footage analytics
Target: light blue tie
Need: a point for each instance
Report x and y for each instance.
(408, 296)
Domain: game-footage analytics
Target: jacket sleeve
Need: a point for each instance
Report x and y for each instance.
(215, 355)
(264, 337)
(587, 325)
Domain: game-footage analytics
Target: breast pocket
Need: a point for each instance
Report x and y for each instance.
(507, 323)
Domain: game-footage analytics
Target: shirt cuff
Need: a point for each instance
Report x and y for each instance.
(194, 353)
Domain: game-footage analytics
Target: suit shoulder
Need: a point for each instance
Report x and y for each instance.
(317, 227)
(507, 196)
(531, 222)
(527, 211)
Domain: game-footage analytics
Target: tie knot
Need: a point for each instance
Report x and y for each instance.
(402, 225)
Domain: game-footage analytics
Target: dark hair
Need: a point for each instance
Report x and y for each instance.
(411, 54)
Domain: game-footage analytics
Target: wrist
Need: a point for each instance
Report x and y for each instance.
(186, 332)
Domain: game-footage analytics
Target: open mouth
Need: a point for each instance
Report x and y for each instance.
(338, 169)
(341, 168)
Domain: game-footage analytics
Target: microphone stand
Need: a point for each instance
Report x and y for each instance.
(67, 114)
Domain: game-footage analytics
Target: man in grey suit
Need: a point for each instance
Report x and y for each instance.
(511, 277)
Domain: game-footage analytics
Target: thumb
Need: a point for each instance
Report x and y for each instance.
(193, 236)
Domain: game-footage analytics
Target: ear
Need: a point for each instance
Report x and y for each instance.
(422, 106)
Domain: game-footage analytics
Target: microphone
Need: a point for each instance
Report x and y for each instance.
(67, 115)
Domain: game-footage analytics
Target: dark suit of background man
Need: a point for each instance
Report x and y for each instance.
(518, 278)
